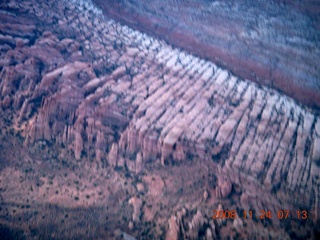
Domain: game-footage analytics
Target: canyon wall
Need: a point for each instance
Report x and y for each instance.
(95, 91)
(273, 43)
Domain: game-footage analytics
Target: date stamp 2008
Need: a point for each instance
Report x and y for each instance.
(264, 214)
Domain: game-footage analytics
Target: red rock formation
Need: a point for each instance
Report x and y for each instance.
(239, 36)
(115, 108)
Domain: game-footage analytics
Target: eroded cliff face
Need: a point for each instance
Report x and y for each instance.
(109, 130)
(273, 43)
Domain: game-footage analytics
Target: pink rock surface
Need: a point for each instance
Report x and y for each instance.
(274, 43)
(104, 130)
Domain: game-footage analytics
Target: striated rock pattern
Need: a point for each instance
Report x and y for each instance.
(274, 43)
(109, 100)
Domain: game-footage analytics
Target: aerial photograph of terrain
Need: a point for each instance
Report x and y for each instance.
(171, 119)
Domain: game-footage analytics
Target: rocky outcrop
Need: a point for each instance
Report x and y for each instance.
(100, 94)
(224, 187)
(275, 49)
(180, 228)
(137, 204)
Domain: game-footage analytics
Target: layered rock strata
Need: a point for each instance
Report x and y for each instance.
(99, 92)
(277, 46)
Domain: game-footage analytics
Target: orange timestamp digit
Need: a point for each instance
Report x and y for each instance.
(265, 214)
(302, 214)
(245, 214)
(230, 214)
(284, 214)
(220, 214)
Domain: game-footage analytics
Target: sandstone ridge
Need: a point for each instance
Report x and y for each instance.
(113, 101)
